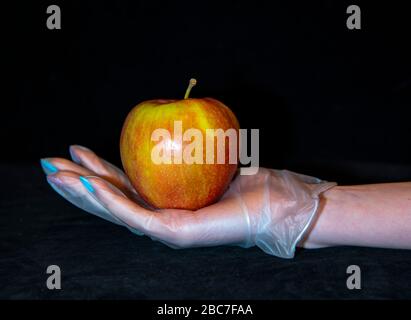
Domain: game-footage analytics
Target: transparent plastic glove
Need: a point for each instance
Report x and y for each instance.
(272, 209)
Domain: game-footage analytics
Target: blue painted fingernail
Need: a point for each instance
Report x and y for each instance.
(87, 184)
(48, 166)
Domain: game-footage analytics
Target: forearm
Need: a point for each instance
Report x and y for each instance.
(375, 215)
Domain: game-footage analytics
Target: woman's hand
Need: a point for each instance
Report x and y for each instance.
(271, 209)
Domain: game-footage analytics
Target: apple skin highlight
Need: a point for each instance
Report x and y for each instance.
(179, 186)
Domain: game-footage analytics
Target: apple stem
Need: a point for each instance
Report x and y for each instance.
(191, 84)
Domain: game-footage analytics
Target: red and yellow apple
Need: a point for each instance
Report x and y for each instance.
(177, 185)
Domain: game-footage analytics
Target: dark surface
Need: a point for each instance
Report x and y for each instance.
(102, 261)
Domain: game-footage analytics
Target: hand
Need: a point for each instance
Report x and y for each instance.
(271, 209)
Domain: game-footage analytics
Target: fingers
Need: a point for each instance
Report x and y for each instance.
(214, 225)
(53, 165)
(69, 186)
(136, 218)
(94, 185)
(100, 167)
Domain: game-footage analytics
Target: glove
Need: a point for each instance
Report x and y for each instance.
(272, 209)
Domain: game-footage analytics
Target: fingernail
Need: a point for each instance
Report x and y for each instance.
(54, 182)
(73, 155)
(48, 166)
(81, 147)
(87, 184)
(53, 179)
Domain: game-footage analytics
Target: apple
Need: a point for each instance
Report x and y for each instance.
(178, 184)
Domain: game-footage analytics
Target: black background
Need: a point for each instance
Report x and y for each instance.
(329, 102)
